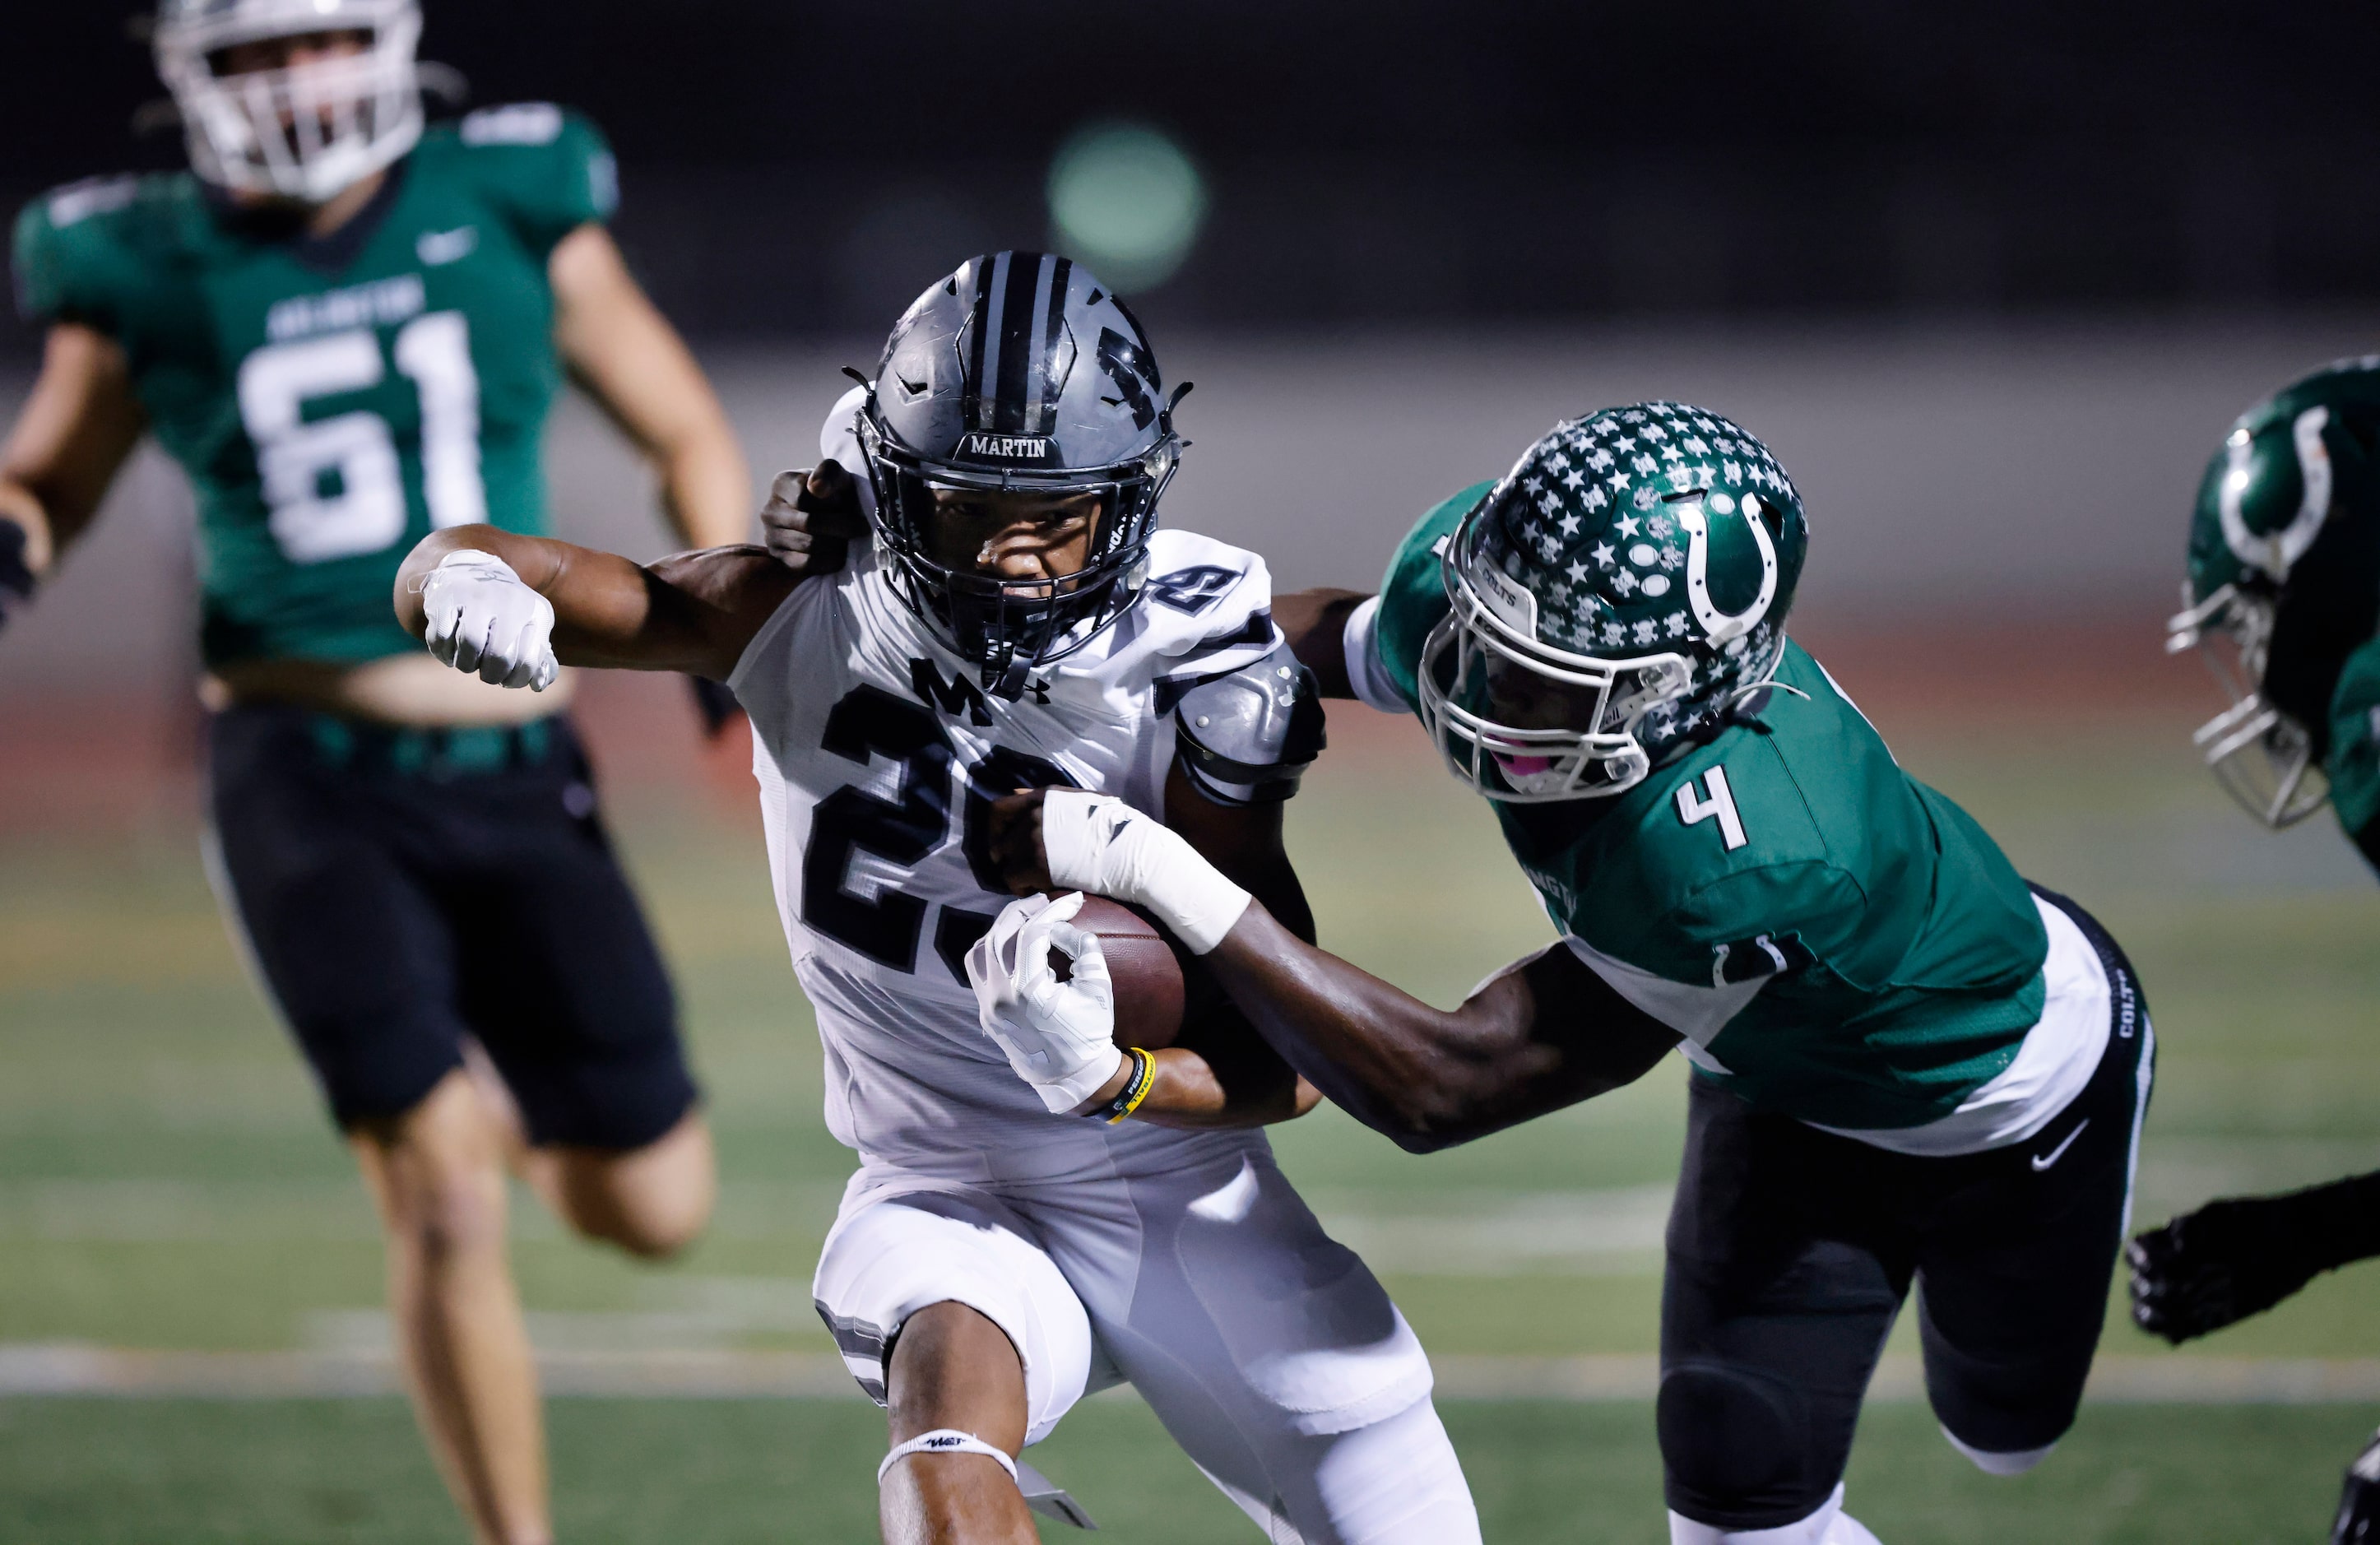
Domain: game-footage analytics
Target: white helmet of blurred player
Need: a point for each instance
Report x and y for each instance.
(306, 131)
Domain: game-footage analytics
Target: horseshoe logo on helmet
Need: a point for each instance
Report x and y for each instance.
(1722, 627)
(2279, 551)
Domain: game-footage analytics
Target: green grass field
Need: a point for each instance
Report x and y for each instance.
(167, 1182)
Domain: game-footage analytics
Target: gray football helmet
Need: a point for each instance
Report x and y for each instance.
(307, 133)
(1020, 373)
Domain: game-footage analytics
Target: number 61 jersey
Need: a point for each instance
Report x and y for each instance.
(332, 399)
(878, 757)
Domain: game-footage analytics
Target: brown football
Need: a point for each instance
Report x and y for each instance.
(1148, 991)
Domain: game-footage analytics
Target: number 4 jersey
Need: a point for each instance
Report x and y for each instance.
(879, 754)
(1833, 938)
(333, 399)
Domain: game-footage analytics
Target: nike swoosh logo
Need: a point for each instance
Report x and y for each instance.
(2043, 1161)
(437, 249)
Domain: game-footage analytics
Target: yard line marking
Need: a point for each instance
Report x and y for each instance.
(80, 1369)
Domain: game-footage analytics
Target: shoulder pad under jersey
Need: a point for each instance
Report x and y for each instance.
(1246, 737)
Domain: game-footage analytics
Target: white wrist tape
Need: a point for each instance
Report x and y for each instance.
(1098, 844)
(945, 1439)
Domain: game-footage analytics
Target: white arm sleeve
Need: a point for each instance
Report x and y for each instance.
(1374, 686)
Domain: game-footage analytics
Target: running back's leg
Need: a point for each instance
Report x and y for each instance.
(953, 1370)
(1270, 1351)
(951, 1315)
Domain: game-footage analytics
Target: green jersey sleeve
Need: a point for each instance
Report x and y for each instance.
(1413, 592)
(2354, 762)
(78, 254)
(548, 170)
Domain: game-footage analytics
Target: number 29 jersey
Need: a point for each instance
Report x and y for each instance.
(879, 756)
(332, 399)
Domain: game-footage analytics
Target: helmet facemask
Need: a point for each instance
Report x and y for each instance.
(306, 132)
(1594, 755)
(1011, 626)
(2262, 758)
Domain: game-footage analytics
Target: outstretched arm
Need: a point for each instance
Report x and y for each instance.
(1316, 623)
(693, 613)
(1544, 1033)
(81, 423)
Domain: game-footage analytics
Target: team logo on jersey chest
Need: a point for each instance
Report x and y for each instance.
(956, 695)
(976, 446)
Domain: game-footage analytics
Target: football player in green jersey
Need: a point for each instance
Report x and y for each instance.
(347, 328)
(2283, 598)
(1908, 1065)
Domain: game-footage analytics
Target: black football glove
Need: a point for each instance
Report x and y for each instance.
(15, 574)
(2233, 1259)
(715, 703)
(2358, 1500)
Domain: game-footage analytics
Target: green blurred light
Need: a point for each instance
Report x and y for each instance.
(1127, 200)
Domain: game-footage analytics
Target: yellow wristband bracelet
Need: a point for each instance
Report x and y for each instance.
(1135, 1089)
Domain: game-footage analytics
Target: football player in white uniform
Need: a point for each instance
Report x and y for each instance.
(1018, 620)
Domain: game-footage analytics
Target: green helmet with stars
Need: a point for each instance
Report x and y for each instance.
(2284, 582)
(1614, 598)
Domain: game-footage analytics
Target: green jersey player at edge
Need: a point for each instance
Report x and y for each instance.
(1908, 1065)
(347, 328)
(2282, 596)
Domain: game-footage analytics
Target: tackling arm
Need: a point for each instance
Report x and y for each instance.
(1543, 1033)
(628, 358)
(693, 613)
(76, 428)
(1316, 625)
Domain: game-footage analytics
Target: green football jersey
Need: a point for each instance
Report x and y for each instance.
(332, 400)
(2354, 757)
(1838, 942)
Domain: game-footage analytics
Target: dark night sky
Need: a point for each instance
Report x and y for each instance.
(790, 166)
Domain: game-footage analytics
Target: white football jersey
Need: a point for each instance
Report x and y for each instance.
(879, 754)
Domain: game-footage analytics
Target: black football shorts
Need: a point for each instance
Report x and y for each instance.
(1791, 1250)
(400, 890)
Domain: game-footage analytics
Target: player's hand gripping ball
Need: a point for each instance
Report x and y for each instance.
(1045, 993)
(481, 617)
(1142, 974)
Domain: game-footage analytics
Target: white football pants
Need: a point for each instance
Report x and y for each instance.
(1270, 1352)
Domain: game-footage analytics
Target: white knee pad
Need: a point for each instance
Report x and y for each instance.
(1830, 1526)
(890, 1257)
(2014, 1462)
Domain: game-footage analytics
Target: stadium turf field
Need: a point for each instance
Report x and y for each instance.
(167, 1183)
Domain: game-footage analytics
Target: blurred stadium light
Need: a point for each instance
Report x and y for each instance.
(1127, 200)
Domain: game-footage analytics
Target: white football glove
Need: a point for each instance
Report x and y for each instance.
(1058, 1034)
(1096, 843)
(482, 617)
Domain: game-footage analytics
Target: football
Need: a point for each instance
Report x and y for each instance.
(1149, 987)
